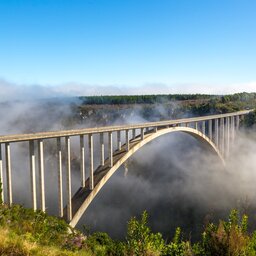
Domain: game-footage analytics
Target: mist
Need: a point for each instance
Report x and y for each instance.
(173, 178)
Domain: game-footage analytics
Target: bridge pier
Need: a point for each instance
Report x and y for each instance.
(203, 127)
(82, 161)
(32, 174)
(196, 125)
(119, 142)
(227, 135)
(127, 140)
(237, 122)
(1, 174)
(110, 149)
(41, 173)
(210, 129)
(142, 133)
(68, 174)
(8, 172)
(102, 149)
(60, 185)
(133, 133)
(216, 131)
(91, 180)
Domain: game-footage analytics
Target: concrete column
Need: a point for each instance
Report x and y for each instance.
(41, 173)
(119, 142)
(102, 149)
(1, 174)
(155, 129)
(232, 128)
(133, 133)
(227, 136)
(216, 132)
(142, 133)
(196, 125)
(127, 140)
(186, 124)
(32, 173)
(68, 166)
(203, 127)
(8, 173)
(91, 178)
(210, 129)
(82, 161)
(110, 149)
(237, 122)
(60, 186)
(222, 136)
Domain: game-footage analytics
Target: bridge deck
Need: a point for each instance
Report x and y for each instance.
(56, 134)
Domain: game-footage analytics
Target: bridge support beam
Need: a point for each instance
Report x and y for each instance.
(203, 127)
(102, 149)
(91, 180)
(210, 129)
(41, 173)
(1, 174)
(8, 172)
(127, 140)
(232, 128)
(142, 133)
(82, 161)
(133, 133)
(227, 135)
(68, 166)
(32, 173)
(222, 136)
(216, 131)
(119, 142)
(237, 122)
(110, 149)
(60, 186)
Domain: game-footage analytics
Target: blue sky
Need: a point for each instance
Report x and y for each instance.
(180, 44)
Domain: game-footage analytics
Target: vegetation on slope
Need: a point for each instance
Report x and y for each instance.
(25, 232)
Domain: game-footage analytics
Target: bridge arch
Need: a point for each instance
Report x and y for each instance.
(82, 206)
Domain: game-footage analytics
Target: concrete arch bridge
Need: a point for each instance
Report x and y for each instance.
(216, 132)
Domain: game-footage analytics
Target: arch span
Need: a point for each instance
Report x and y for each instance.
(83, 197)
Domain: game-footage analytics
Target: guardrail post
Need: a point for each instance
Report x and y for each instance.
(196, 125)
(119, 142)
(60, 186)
(110, 149)
(91, 178)
(82, 161)
(32, 173)
(68, 163)
(41, 173)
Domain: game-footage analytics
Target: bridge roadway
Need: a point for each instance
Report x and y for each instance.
(86, 131)
(215, 132)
